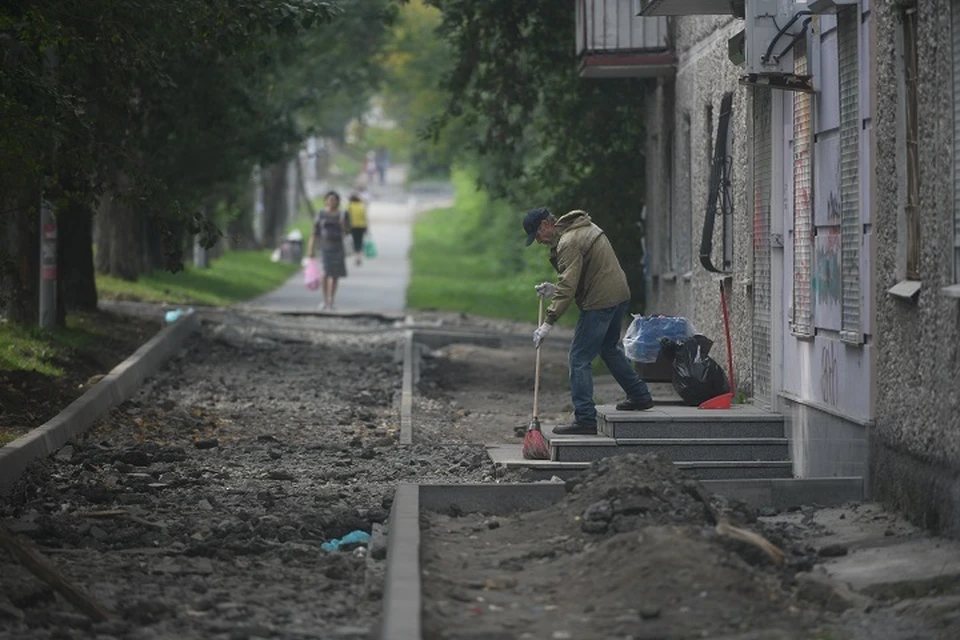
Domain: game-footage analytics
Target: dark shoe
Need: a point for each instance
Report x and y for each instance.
(635, 405)
(577, 429)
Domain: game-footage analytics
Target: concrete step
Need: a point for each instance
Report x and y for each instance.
(590, 448)
(509, 456)
(676, 421)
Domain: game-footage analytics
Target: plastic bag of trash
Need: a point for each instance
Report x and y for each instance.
(353, 538)
(696, 376)
(642, 340)
(311, 275)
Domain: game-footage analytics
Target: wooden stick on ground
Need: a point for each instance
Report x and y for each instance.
(43, 569)
(724, 528)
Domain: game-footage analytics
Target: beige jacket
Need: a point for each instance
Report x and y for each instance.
(590, 272)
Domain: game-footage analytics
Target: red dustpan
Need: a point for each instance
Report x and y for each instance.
(724, 400)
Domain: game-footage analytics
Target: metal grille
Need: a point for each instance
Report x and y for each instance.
(802, 202)
(851, 229)
(762, 169)
(955, 8)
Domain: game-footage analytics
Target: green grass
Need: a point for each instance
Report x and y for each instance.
(33, 349)
(305, 225)
(460, 255)
(234, 277)
(347, 163)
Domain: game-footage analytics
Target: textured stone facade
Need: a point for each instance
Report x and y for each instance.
(915, 446)
(679, 285)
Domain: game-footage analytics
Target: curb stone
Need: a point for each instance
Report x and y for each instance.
(401, 589)
(116, 387)
(402, 597)
(406, 394)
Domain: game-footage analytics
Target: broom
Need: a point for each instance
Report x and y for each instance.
(534, 444)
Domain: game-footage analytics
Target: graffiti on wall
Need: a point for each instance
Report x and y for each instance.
(829, 382)
(827, 279)
(833, 206)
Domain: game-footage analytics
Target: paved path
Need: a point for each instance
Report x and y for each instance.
(380, 284)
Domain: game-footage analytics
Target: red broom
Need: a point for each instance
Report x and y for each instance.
(534, 444)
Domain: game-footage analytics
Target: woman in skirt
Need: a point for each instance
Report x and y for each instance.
(329, 230)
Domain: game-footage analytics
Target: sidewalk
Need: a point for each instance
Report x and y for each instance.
(379, 285)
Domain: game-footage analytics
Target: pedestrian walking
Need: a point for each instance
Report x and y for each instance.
(359, 224)
(590, 275)
(382, 161)
(329, 229)
(370, 167)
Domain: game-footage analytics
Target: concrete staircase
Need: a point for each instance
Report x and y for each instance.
(741, 452)
(737, 443)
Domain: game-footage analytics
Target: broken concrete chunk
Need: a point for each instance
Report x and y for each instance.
(834, 596)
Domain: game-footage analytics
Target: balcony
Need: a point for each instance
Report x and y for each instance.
(614, 42)
(691, 7)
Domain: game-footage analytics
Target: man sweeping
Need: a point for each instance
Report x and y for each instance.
(590, 275)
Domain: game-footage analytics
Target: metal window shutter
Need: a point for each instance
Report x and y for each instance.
(851, 229)
(762, 170)
(802, 202)
(955, 36)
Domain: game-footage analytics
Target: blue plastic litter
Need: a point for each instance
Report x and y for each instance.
(642, 340)
(172, 316)
(354, 537)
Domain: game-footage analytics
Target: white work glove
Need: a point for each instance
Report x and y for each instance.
(546, 289)
(541, 333)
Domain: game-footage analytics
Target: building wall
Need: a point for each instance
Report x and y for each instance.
(915, 446)
(824, 442)
(676, 204)
(825, 329)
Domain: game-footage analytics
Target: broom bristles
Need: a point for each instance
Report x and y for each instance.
(535, 445)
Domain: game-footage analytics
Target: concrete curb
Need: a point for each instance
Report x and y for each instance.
(439, 338)
(402, 597)
(784, 493)
(414, 339)
(401, 588)
(121, 383)
(406, 394)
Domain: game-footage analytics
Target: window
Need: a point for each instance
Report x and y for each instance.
(803, 223)
(955, 33)
(851, 226)
(912, 194)
(908, 159)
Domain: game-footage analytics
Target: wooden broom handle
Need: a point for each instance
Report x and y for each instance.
(536, 375)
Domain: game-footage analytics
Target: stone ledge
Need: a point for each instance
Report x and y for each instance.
(116, 387)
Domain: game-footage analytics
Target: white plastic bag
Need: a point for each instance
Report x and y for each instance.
(642, 340)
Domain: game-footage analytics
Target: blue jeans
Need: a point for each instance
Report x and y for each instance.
(598, 334)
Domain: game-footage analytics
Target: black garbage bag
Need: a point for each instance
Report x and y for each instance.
(696, 376)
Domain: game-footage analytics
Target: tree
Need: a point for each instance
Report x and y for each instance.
(153, 114)
(543, 135)
(415, 61)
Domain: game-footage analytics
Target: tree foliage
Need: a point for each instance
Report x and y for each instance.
(415, 60)
(157, 112)
(540, 134)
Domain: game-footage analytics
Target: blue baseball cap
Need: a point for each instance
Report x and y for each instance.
(531, 222)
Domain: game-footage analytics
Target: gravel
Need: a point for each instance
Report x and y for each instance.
(198, 508)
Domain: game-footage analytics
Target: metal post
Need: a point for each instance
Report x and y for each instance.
(48, 265)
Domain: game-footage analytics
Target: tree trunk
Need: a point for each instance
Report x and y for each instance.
(274, 202)
(20, 257)
(75, 275)
(119, 246)
(302, 192)
(152, 254)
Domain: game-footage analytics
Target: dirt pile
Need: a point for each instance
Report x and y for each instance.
(619, 494)
(630, 551)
